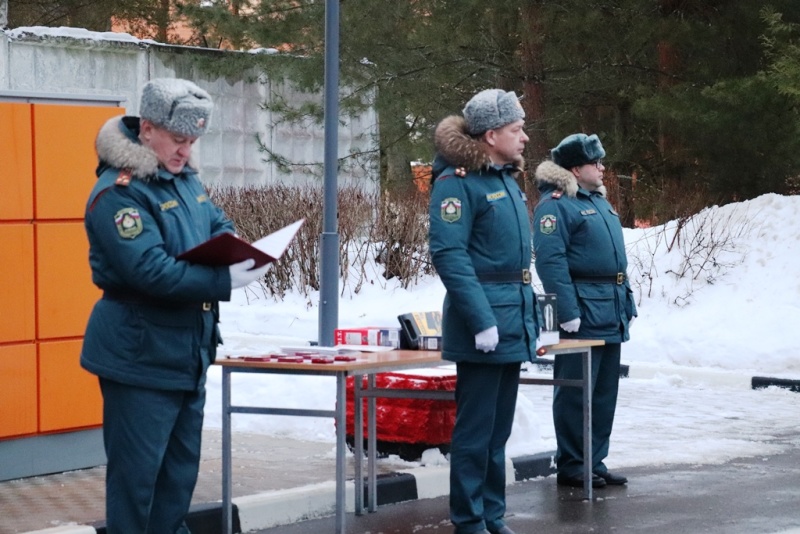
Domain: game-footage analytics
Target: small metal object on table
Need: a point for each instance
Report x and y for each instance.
(371, 392)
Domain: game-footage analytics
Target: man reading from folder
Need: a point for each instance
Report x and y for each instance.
(153, 334)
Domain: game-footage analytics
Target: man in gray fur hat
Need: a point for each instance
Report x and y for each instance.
(580, 256)
(480, 243)
(153, 334)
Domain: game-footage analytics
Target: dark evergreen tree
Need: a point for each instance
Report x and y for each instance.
(692, 96)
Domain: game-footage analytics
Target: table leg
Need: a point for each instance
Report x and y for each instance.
(587, 424)
(341, 444)
(227, 486)
(358, 442)
(372, 446)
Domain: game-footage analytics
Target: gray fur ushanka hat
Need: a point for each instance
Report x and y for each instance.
(177, 105)
(490, 109)
(577, 149)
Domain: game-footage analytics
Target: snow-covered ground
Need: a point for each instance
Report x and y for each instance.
(717, 305)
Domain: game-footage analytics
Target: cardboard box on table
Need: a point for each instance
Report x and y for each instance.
(421, 330)
(369, 335)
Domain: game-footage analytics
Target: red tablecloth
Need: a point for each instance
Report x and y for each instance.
(409, 420)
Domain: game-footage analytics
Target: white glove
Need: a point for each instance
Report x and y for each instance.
(487, 340)
(571, 326)
(630, 321)
(241, 273)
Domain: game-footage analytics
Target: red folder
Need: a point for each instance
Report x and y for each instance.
(227, 249)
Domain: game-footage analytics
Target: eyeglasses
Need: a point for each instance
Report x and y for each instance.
(598, 163)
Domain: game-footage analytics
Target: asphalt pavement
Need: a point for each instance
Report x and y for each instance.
(759, 495)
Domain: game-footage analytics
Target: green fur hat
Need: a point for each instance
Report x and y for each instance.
(177, 105)
(576, 150)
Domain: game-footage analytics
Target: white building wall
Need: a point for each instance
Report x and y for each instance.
(68, 63)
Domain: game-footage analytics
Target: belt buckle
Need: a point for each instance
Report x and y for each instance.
(526, 276)
(207, 306)
(620, 278)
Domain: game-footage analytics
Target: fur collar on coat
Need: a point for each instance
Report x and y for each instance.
(115, 146)
(460, 149)
(549, 173)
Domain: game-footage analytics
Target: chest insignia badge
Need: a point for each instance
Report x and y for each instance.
(168, 205)
(497, 195)
(451, 209)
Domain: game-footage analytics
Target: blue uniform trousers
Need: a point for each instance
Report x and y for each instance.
(486, 396)
(152, 441)
(568, 408)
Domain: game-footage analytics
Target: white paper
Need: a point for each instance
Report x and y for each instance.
(276, 243)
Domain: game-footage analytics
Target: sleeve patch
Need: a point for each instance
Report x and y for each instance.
(547, 224)
(451, 209)
(128, 222)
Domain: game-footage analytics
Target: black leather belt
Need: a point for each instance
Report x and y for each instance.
(148, 301)
(618, 279)
(522, 276)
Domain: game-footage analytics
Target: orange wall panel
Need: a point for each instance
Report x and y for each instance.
(65, 157)
(17, 390)
(17, 292)
(69, 396)
(65, 295)
(16, 162)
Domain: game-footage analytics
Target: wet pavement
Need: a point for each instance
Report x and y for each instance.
(758, 495)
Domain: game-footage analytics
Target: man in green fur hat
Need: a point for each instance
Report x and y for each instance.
(580, 256)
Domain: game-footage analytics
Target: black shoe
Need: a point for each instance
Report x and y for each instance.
(502, 530)
(612, 479)
(577, 482)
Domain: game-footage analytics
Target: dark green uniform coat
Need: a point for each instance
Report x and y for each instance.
(153, 334)
(580, 255)
(479, 223)
(577, 236)
(479, 226)
(150, 328)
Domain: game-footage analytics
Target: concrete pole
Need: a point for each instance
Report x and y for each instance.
(3, 13)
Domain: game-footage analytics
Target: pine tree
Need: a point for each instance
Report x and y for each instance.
(689, 96)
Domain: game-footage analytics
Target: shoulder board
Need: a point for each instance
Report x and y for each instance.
(124, 178)
(461, 172)
(557, 194)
